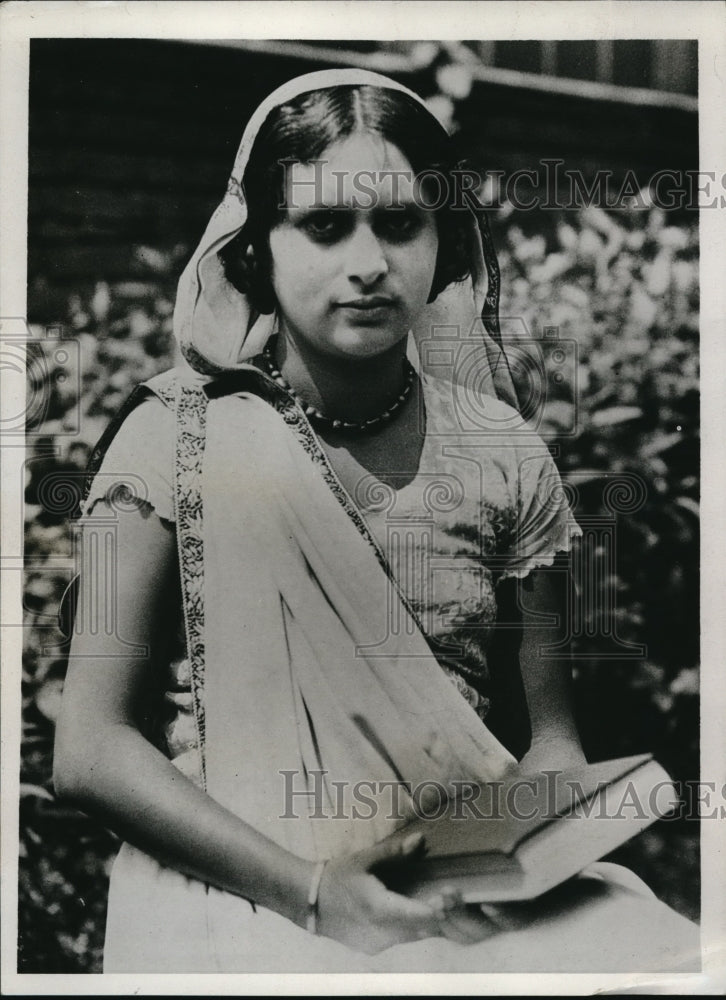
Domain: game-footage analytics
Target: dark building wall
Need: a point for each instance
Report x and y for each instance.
(131, 142)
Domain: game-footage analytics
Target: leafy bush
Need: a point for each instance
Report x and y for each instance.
(626, 290)
(624, 287)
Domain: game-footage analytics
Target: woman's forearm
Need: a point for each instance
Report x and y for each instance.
(547, 678)
(122, 779)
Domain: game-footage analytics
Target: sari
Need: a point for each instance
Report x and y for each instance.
(297, 681)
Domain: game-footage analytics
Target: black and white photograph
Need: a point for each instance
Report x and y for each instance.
(360, 596)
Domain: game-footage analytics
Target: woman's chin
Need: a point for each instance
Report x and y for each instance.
(364, 341)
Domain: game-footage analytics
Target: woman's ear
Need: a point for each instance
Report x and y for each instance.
(260, 280)
(452, 259)
(249, 272)
(443, 273)
(440, 279)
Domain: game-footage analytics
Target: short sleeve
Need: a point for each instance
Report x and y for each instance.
(138, 467)
(545, 524)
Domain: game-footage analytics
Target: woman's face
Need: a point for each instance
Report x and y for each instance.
(353, 259)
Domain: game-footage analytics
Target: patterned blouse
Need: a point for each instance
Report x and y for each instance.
(485, 505)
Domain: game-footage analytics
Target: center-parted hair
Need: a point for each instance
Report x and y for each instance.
(300, 131)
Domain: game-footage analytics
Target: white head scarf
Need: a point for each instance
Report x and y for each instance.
(217, 328)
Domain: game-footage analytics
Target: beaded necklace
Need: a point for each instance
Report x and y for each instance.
(322, 420)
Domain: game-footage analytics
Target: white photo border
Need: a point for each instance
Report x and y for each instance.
(383, 19)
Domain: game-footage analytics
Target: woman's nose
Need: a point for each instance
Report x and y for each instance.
(366, 261)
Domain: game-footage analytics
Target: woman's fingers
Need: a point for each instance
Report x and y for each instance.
(392, 849)
(413, 918)
(385, 918)
(460, 922)
(443, 915)
(355, 906)
(503, 918)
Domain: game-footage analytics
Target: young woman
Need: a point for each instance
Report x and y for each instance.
(303, 544)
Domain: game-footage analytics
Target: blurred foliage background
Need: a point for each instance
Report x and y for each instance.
(621, 284)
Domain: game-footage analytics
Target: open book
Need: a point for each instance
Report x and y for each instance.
(516, 839)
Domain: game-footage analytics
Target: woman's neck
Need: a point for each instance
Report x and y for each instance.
(354, 389)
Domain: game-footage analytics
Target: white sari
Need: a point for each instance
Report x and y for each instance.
(299, 683)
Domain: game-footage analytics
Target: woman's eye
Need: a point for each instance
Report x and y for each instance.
(324, 225)
(399, 224)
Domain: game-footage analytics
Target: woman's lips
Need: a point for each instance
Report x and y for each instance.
(369, 302)
(371, 308)
(368, 311)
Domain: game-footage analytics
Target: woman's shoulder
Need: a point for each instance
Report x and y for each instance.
(139, 459)
(151, 415)
(145, 435)
(463, 409)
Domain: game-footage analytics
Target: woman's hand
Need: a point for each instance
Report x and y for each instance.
(356, 908)
(548, 753)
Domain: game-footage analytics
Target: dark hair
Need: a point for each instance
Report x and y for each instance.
(300, 131)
